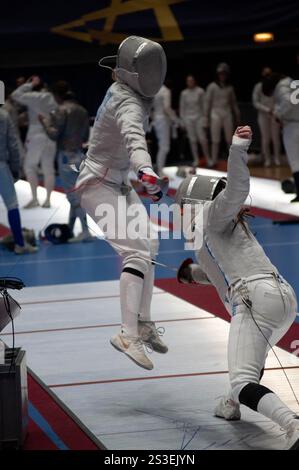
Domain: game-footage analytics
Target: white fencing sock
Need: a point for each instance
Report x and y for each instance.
(147, 294)
(264, 401)
(273, 408)
(131, 287)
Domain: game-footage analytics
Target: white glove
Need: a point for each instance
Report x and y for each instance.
(151, 187)
(242, 137)
(244, 143)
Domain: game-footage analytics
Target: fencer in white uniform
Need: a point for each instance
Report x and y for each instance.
(286, 111)
(269, 127)
(193, 118)
(221, 109)
(40, 149)
(117, 143)
(163, 119)
(261, 303)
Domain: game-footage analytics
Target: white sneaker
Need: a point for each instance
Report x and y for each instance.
(292, 435)
(267, 164)
(228, 409)
(31, 204)
(150, 335)
(133, 348)
(25, 250)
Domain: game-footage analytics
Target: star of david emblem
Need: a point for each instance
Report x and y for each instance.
(83, 30)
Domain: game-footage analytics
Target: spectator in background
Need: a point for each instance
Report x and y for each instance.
(221, 109)
(13, 109)
(193, 119)
(39, 148)
(269, 127)
(163, 118)
(68, 125)
(286, 111)
(9, 172)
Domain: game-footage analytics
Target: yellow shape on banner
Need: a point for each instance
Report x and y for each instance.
(170, 30)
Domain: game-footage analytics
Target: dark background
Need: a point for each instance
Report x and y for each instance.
(213, 31)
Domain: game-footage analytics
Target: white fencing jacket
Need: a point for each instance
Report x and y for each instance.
(118, 136)
(228, 255)
(285, 109)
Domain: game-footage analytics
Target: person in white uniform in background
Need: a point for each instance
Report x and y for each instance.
(163, 119)
(193, 119)
(261, 303)
(40, 149)
(286, 111)
(117, 143)
(269, 127)
(221, 109)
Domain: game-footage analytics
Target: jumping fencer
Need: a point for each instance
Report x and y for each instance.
(221, 109)
(163, 119)
(40, 149)
(286, 111)
(261, 303)
(269, 127)
(118, 143)
(194, 121)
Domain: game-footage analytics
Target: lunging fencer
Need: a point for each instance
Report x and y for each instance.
(261, 303)
(118, 143)
(193, 119)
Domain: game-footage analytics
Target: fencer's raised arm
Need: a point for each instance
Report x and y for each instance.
(25, 95)
(129, 118)
(228, 203)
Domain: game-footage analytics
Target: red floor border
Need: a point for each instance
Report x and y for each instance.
(61, 421)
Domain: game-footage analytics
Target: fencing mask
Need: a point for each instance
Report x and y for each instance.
(140, 63)
(199, 189)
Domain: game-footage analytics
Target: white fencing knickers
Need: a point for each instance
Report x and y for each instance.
(40, 149)
(252, 332)
(137, 250)
(162, 126)
(291, 142)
